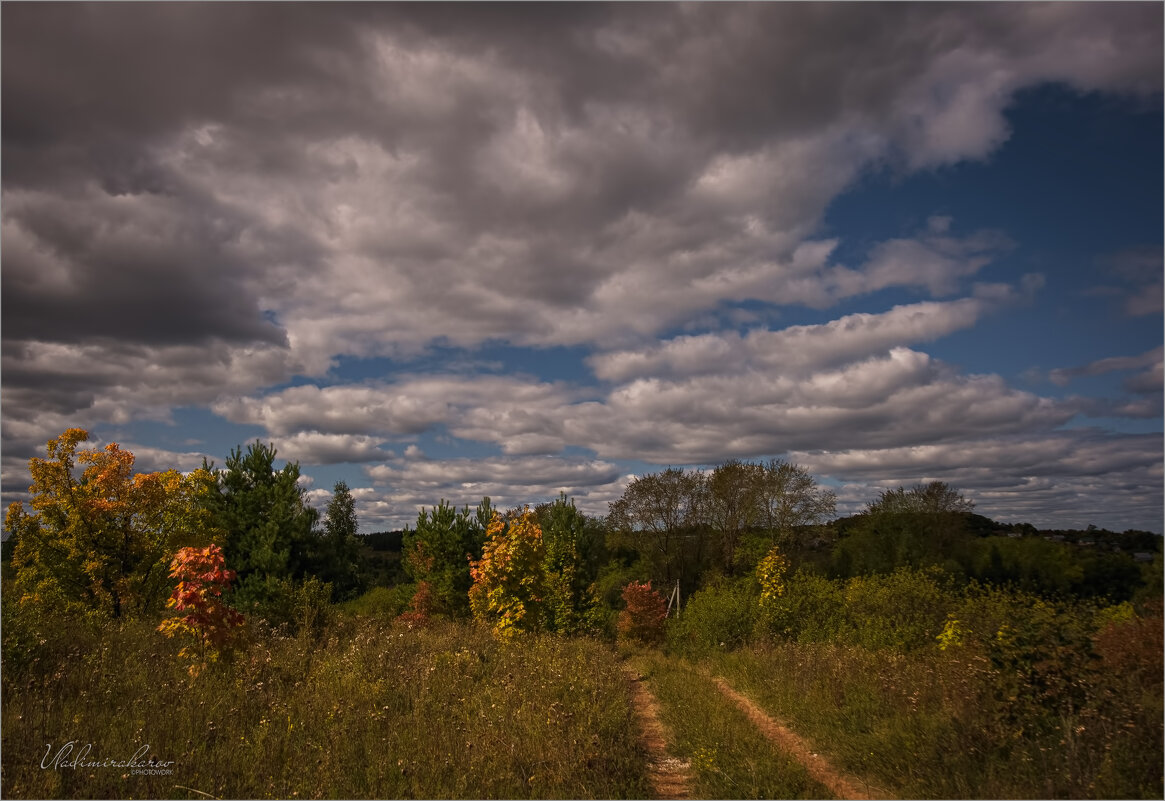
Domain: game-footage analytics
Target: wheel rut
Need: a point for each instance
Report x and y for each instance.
(841, 785)
(670, 777)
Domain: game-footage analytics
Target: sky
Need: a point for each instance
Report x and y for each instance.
(442, 251)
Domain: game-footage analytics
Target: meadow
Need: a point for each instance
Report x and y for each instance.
(360, 706)
(367, 709)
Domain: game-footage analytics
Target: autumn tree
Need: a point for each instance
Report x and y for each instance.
(102, 541)
(643, 613)
(202, 579)
(270, 529)
(509, 587)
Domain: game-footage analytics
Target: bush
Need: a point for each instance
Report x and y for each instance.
(904, 609)
(381, 602)
(721, 616)
(300, 606)
(812, 609)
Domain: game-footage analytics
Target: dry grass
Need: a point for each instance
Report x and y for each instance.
(370, 710)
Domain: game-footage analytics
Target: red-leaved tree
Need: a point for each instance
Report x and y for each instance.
(642, 618)
(202, 578)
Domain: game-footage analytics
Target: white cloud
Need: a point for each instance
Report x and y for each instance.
(312, 447)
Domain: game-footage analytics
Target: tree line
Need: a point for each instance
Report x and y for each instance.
(98, 538)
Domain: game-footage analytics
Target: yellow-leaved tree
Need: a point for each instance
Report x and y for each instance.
(102, 542)
(509, 587)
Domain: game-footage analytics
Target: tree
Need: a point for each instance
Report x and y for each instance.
(656, 513)
(734, 496)
(509, 588)
(791, 498)
(438, 550)
(338, 561)
(573, 552)
(924, 525)
(202, 578)
(103, 542)
(270, 529)
(934, 498)
(643, 613)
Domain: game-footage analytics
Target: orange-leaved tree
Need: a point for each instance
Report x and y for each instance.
(100, 543)
(509, 589)
(202, 578)
(642, 618)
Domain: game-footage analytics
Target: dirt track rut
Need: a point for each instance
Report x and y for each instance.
(670, 777)
(818, 767)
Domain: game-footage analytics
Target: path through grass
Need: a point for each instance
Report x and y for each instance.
(729, 756)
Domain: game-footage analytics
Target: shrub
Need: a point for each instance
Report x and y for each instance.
(420, 610)
(382, 602)
(905, 609)
(812, 609)
(723, 616)
(299, 606)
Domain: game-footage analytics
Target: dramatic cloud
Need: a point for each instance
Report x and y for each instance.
(227, 206)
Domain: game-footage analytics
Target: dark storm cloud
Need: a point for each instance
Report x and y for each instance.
(130, 268)
(542, 140)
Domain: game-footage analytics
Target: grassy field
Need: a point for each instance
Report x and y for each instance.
(935, 725)
(373, 711)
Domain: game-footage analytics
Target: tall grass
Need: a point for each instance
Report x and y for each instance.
(935, 725)
(370, 710)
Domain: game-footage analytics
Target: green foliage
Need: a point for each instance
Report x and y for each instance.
(935, 498)
(383, 603)
(660, 515)
(683, 522)
(1050, 568)
(269, 528)
(720, 616)
(297, 606)
(791, 499)
(338, 560)
(734, 505)
(812, 609)
(574, 548)
(438, 551)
